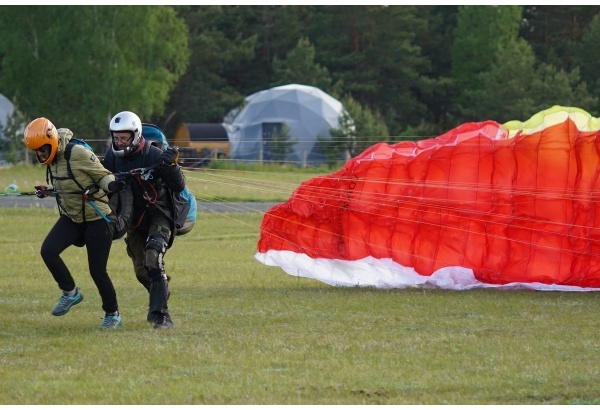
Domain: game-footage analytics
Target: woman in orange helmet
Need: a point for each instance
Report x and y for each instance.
(80, 222)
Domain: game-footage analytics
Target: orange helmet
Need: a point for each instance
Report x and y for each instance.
(40, 132)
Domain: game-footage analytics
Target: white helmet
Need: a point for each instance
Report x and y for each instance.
(123, 122)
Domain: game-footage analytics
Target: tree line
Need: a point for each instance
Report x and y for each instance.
(399, 70)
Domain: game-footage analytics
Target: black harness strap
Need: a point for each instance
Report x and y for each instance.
(50, 178)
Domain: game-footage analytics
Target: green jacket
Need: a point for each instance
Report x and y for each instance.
(88, 171)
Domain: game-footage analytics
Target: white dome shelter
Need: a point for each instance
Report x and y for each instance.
(306, 111)
(6, 110)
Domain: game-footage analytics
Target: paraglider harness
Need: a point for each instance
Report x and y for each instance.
(120, 203)
(150, 190)
(142, 178)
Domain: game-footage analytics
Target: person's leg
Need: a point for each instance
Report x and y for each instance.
(156, 247)
(98, 240)
(136, 249)
(63, 234)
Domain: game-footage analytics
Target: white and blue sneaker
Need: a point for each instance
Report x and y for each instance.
(65, 302)
(111, 321)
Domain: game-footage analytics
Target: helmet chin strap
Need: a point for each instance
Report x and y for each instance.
(140, 145)
(136, 150)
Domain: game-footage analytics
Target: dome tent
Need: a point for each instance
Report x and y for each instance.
(307, 113)
(6, 110)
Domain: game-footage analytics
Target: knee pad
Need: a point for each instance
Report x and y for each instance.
(156, 247)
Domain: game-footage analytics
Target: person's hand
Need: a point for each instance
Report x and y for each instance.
(41, 191)
(169, 156)
(116, 186)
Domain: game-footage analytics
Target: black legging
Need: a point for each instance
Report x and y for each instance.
(97, 238)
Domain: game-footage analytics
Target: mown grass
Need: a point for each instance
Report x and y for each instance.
(246, 333)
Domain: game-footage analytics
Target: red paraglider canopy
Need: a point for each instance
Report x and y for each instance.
(484, 205)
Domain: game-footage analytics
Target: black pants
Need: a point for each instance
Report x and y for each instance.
(97, 238)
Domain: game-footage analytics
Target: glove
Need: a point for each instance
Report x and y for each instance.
(41, 191)
(169, 156)
(116, 186)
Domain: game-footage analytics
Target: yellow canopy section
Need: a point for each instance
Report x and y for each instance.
(552, 116)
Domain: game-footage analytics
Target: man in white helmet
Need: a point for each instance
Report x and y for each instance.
(156, 216)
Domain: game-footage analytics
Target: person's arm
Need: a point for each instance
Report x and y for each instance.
(169, 171)
(84, 160)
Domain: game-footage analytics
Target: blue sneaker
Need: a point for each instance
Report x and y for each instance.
(111, 321)
(65, 302)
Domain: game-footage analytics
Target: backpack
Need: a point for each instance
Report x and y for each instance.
(190, 219)
(184, 202)
(120, 203)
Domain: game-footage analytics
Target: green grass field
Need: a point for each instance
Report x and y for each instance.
(246, 333)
